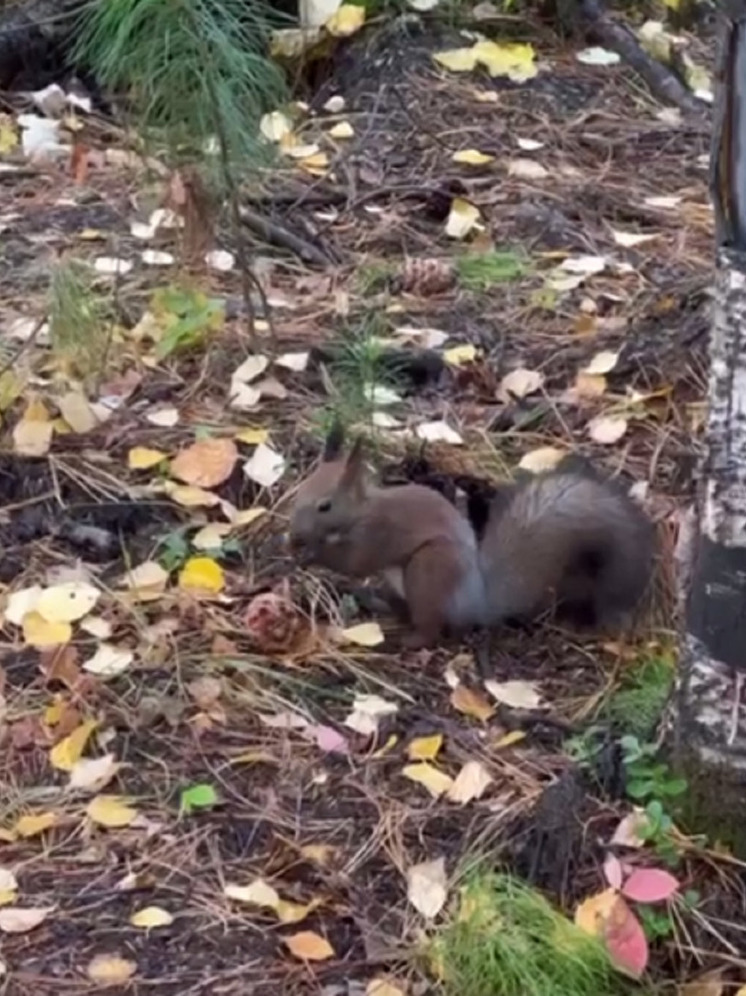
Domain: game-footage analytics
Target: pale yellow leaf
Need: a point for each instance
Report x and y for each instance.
(470, 783)
(110, 811)
(367, 711)
(142, 458)
(149, 574)
(384, 987)
(593, 913)
(542, 459)
(96, 626)
(275, 125)
(514, 737)
(462, 218)
(19, 920)
(202, 575)
(265, 466)
(427, 887)
(346, 20)
(527, 169)
(32, 438)
(151, 916)
(39, 633)
(309, 946)
(109, 661)
(252, 367)
(32, 824)
(289, 912)
(67, 602)
(21, 602)
(191, 497)
(211, 536)
(520, 383)
(629, 240)
(110, 970)
(93, 773)
(257, 893)
(471, 703)
(252, 437)
(66, 754)
(77, 412)
(516, 694)
(607, 430)
(164, 418)
(472, 157)
(367, 634)
(8, 882)
(343, 129)
(435, 781)
(602, 363)
(457, 356)
(245, 516)
(425, 748)
(512, 59)
(317, 163)
(458, 60)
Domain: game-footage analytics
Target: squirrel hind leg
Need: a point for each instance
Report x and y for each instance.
(431, 578)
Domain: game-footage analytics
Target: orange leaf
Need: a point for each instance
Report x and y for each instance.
(309, 946)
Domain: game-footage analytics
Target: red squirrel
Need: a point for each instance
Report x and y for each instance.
(564, 538)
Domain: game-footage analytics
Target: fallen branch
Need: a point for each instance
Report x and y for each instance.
(280, 236)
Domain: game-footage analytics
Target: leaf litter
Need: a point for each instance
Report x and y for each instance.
(327, 741)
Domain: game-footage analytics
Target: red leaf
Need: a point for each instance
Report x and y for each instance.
(613, 872)
(626, 941)
(650, 885)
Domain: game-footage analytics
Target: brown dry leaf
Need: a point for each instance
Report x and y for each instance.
(471, 703)
(19, 920)
(435, 781)
(206, 463)
(32, 824)
(708, 984)
(588, 385)
(60, 664)
(66, 754)
(309, 946)
(110, 970)
(425, 748)
(470, 783)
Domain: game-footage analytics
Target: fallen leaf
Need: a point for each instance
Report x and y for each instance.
(67, 602)
(457, 356)
(252, 367)
(367, 634)
(32, 824)
(629, 831)
(149, 574)
(613, 871)
(164, 418)
(597, 56)
(520, 383)
(206, 463)
(40, 634)
(515, 60)
(427, 887)
(346, 20)
(252, 437)
(425, 748)
(19, 920)
(472, 157)
(32, 438)
(211, 536)
(470, 783)
(8, 882)
(307, 945)
(110, 811)
(602, 363)
(462, 219)
(625, 940)
(330, 740)
(527, 169)
(438, 432)
(93, 773)
(509, 739)
(21, 602)
(584, 265)
(650, 885)
(110, 970)
(109, 661)
(200, 796)
(257, 893)
(151, 916)
(590, 385)
(435, 781)
(141, 458)
(190, 496)
(471, 703)
(66, 754)
(297, 362)
(343, 129)
(607, 430)
(631, 239)
(202, 575)
(77, 412)
(275, 126)
(592, 914)
(367, 710)
(96, 626)
(542, 459)
(383, 987)
(516, 694)
(265, 466)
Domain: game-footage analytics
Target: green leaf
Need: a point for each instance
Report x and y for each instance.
(200, 796)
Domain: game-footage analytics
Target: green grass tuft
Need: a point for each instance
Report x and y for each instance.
(507, 940)
(636, 707)
(80, 318)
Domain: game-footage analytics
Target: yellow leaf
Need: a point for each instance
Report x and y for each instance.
(39, 633)
(32, 438)
(33, 824)
(346, 20)
(316, 164)
(514, 737)
(458, 60)
(383, 987)
(288, 912)
(463, 217)
(257, 893)
(245, 516)
(593, 913)
(141, 458)
(541, 459)
(514, 60)
(459, 355)
(206, 463)
(309, 946)
(471, 703)
(425, 748)
(8, 135)
(110, 811)
(202, 574)
(110, 970)
(55, 711)
(343, 129)
(252, 437)
(191, 497)
(211, 536)
(364, 635)
(472, 157)
(7, 897)
(435, 781)
(391, 742)
(68, 751)
(67, 602)
(151, 916)
(319, 854)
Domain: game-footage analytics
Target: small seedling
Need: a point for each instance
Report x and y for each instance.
(187, 316)
(201, 796)
(174, 550)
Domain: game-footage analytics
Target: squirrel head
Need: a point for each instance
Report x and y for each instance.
(329, 504)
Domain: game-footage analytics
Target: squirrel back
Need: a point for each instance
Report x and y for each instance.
(568, 539)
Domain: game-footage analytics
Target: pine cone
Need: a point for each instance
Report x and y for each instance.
(425, 277)
(274, 622)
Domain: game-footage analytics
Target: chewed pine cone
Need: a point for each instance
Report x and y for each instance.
(425, 277)
(274, 622)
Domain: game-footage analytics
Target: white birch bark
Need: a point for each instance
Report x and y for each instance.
(711, 705)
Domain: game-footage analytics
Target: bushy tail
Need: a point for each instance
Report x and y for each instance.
(570, 540)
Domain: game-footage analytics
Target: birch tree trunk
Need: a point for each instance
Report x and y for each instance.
(710, 709)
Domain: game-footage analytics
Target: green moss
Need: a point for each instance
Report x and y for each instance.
(636, 707)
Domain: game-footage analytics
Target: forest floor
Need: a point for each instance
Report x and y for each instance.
(220, 766)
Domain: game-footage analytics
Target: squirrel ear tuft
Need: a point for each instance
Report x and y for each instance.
(334, 441)
(353, 475)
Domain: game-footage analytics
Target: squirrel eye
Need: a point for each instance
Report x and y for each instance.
(324, 505)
